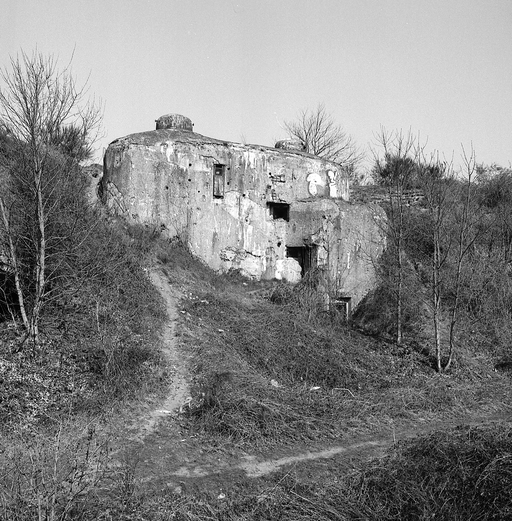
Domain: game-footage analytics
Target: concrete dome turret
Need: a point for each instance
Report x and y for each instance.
(290, 144)
(174, 121)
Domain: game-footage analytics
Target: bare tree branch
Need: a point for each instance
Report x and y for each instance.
(321, 136)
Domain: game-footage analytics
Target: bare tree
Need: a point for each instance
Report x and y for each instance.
(322, 136)
(456, 221)
(436, 184)
(41, 108)
(469, 219)
(396, 169)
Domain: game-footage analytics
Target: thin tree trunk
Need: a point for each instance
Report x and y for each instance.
(40, 258)
(455, 308)
(436, 298)
(464, 245)
(15, 267)
(396, 202)
(399, 311)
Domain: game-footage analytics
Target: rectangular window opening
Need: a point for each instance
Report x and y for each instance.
(341, 308)
(304, 255)
(219, 180)
(279, 210)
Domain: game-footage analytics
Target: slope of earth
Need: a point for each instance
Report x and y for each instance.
(233, 414)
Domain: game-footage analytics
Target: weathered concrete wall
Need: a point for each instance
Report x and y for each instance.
(352, 250)
(166, 177)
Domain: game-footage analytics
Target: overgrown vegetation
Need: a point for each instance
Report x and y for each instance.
(48, 128)
(264, 374)
(460, 474)
(463, 473)
(320, 135)
(81, 324)
(439, 249)
(270, 367)
(79, 318)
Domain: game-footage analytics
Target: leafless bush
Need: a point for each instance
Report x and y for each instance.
(52, 476)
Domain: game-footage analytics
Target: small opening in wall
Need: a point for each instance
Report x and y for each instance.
(279, 244)
(219, 179)
(167, 188)
(304, 255)
(190, 164)
(341, 308)
(279, 210)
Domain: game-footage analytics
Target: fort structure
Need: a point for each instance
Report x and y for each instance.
(270, 212)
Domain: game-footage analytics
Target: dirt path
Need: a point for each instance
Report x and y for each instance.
(346, 455)
(172, 458)
(178, 391)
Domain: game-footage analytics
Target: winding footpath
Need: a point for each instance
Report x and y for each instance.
(179, 387)
(174, 460)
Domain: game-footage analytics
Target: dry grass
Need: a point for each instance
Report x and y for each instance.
(267, 374)
(464, 473)
(460, 474)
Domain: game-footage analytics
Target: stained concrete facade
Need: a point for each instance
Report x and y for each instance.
(269, 212)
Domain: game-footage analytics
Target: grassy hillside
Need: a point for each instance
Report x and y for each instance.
(265, 375)
(99, 342)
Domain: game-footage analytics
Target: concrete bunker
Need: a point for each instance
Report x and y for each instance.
(272, 213)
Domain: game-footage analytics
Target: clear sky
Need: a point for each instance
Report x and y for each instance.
(238, 68)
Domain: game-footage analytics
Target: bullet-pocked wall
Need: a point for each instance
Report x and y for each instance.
(269, 212)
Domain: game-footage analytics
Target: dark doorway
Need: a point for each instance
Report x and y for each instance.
(304, 255)
(341, 308)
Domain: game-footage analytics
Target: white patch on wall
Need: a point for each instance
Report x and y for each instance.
(232, 204)
(314, 181)
(248, 235)
(167, 150)
(333, 187)
(250, 158)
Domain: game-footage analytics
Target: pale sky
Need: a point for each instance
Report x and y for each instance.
(237, 69)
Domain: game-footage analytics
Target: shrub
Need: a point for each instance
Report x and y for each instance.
(460, 474)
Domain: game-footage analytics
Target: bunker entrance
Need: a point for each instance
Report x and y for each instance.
(341, 307)
(304, 255)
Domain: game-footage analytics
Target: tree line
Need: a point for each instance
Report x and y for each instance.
(450, 254)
